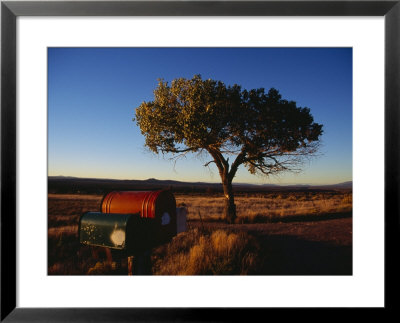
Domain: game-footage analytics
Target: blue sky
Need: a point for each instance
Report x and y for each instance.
(93, 93)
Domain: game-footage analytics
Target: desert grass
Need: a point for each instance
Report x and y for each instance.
(196, 252)
(253, 208)
(66, 209)
(205, 250)
(193, 252)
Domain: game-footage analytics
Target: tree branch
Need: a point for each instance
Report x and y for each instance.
(235, 165)
(177, 151)
(219, 161)
(208, 163)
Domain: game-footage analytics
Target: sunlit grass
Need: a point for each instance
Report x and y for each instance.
(268, 206)
(207, 253)
(194, 252)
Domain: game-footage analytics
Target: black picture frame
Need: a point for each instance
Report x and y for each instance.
(10, 10)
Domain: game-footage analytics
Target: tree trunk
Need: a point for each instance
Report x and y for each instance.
(230, 207)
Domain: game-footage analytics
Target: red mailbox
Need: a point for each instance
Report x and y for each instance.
(157, 205)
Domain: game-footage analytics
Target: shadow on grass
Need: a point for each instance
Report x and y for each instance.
(312, 217)
(287, 255)
(286, 219)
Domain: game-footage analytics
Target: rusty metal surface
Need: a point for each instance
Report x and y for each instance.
(150, 204)
(160, 206)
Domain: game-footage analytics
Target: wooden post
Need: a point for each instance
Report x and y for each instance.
(140, 264)
(109, 256)
(130, 265)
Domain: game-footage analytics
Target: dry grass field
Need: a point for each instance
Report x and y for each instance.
(278, 233)
(268, 207)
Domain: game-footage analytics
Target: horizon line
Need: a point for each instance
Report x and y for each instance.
(218, 183)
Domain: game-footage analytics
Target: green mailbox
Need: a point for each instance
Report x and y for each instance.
(127, 232)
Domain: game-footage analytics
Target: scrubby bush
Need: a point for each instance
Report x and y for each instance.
(196, 252)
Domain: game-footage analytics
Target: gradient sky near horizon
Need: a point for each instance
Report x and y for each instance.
(93, 93)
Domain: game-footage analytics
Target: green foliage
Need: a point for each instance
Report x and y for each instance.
(267, 133)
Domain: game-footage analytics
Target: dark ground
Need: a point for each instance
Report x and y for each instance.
(300, 248)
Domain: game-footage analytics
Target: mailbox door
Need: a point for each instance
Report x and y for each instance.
(128, 232)
(104, 230)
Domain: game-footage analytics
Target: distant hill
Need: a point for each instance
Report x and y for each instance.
(69, 185)
(344, 185)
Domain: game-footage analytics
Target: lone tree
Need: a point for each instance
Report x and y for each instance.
(262, 131)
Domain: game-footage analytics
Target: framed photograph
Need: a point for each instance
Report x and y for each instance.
(90, 90)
